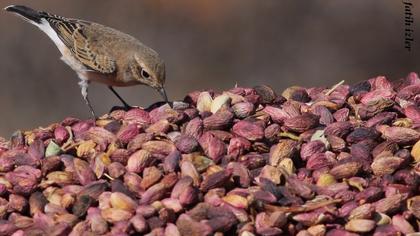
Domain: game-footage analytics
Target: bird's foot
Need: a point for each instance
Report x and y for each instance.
(149, 108)
(125, 108)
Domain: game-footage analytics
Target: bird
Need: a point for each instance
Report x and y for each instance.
(98, 53)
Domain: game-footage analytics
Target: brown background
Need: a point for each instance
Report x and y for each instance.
(206, 44)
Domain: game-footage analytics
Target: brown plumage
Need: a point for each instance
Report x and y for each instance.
(98, 53)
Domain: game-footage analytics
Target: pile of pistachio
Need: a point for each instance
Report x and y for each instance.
(340, 160)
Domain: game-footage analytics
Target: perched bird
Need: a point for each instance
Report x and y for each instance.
(98, 53)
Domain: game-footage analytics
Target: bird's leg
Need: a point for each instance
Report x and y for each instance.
(119, 97)
(84, 84)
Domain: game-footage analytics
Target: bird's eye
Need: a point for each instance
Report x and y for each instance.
(144, 74)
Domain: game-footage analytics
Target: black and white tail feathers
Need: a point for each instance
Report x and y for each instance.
(26, 12)
(42, 20)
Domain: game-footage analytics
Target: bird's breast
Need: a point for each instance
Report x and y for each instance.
(71, 61)
(114, 79)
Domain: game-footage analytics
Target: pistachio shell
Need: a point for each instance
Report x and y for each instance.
(413, 205)
(236, 201)
(415, 151)
(86, 148)
(248, 130)
(204, 102)
(360, 225)
(220, 101)
(325, 179)
(114, 215)
(362, 212)
(286, 148)
(381, 218)
(121, 201)
(139, 160)
(52, 149)
(386, 165)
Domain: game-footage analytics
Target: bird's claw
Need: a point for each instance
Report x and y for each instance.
(125, 108)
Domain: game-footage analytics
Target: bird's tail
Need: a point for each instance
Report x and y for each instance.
(25, 12)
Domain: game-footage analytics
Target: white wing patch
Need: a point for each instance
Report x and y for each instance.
(46, 28)
(67, 57)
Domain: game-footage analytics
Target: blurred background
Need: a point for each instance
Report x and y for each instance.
(205, 44)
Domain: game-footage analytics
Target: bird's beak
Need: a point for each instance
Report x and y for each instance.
(163, 93)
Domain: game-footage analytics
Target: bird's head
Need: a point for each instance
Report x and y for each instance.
(149, 69)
